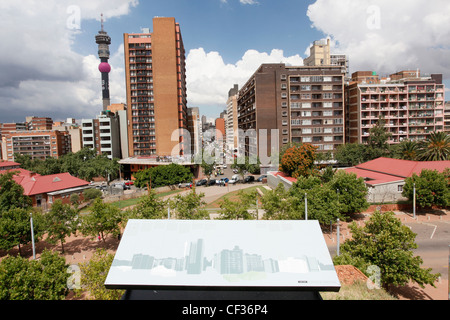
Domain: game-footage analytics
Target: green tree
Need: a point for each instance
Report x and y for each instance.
(189, 206)
(12, 193)
(43, 279)
(351, 154)
(277, 204)
(352, 192)
(322, 200)
(436, 147)
(386, 243)
(378, 141)
(407, 150)
(61, 222)
(239, 209)
(431, 189)
(162, 176)
(15, 228)
(93, 277)
(103, 219)
(299, 161)
(149, 207)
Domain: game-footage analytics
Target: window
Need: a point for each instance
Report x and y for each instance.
(400, 188)
(305, 79)
(327, 96)
(307, 131)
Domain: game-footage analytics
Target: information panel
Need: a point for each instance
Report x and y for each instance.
(220, 254)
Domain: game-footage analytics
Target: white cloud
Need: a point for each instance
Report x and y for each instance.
(209, 79)
(40, 68)
(387, 36)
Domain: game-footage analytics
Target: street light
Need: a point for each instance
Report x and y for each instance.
(32, 236)
(414, 200)
(306, 206)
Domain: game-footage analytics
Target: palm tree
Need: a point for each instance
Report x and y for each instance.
(435, 148)
(408, 150)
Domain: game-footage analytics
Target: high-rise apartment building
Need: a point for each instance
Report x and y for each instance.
(411, 105)
(195, 130)
(320, 55)
(232, 132)
(38, 144)
(303, 104)
(156, 90)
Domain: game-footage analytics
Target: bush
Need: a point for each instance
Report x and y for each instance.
(91, 194)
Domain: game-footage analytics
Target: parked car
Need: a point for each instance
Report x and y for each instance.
(234, 180)
(249, 179)
(120, 185)
(202, 182)
(260, 179)
(129, 183)
(185, 185)
(211, 182)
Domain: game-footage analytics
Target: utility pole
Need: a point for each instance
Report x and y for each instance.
(414, 200)
(338, 236)
(306, 206)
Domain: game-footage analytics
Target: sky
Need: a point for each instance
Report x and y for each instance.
(49, 62)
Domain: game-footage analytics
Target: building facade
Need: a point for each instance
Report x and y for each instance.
(38, 144)
(156, 89)
(232, 129)
(301, 104)
(411, 106)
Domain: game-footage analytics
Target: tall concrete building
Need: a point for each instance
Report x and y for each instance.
(320, 55)
(232, 129)
(411, 105)
(156, 90)
(301, 104)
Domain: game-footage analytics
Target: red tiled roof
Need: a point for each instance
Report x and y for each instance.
(4, 164)
(373, 178)
(402, 168)
(283, 175)
(34, 184)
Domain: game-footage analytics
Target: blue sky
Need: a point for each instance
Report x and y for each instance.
(49, 68)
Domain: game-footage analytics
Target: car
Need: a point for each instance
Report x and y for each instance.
(249, 179)
(233, 181)
(120, 185)
(260, 179)
(225, 180)
(129, 183)
(201, 182)
(185, 185)
(211, 182)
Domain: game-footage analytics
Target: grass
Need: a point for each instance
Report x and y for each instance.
(121, 204)
(357, 291)
(233, 195)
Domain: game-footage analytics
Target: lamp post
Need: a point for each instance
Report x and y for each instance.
(414, 200)
(32, 236)
(306, 206)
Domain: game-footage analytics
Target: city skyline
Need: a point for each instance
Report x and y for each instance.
(51, 69)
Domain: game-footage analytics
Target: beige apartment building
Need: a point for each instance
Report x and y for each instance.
(411, 105)
(156, 89)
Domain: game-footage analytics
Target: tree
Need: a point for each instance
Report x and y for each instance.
(91, 194)
(431, 189)
(407, 150)
(190, 206)
(103, 219)
(351, 154)
(61, 222)
(239, 209)
(93, 277)
(352, 192)
(386, 243)
(162, 176)
(299, 161)
(15, 228)
(436, 147)
(149, 207)
(322, 200)
(12, 193)
(378, 141)
(277, 204)
(43, 279)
